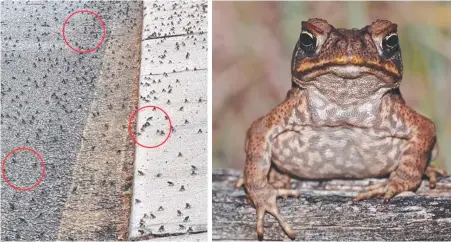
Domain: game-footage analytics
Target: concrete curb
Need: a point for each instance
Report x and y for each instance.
(98, 207)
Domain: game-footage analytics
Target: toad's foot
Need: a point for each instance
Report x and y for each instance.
(387, 189)
(240, 182)
(371, 191)
(264, 200)
(276, 179)
(431, 172)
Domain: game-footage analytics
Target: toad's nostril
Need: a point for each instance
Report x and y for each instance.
(341, 44)
(358, 45)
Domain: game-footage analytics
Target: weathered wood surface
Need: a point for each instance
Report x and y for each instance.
(325, 212)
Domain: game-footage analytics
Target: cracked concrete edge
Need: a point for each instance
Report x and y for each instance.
(98, 206)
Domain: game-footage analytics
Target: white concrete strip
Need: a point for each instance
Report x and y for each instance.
(170, 181)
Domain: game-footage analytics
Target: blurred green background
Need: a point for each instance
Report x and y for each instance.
(252, 47)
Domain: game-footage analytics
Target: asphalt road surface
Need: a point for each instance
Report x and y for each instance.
(72, 109)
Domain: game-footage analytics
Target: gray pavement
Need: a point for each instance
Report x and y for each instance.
(52, 99)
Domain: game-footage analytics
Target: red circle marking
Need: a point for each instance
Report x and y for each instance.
(130, 131)
(42, 169)
(103, 28)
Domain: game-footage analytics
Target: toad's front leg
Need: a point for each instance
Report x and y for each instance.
(261, 193)
(414, 159)
(276, 178)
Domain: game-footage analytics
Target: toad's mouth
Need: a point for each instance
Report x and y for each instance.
(348, 67)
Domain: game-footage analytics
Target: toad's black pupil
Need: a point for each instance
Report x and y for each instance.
(306, 39)
(392, 41)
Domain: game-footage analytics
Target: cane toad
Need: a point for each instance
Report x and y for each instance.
(344, 117)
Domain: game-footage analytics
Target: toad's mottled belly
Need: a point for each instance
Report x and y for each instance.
(336, 152)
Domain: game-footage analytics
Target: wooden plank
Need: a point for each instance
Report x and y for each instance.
(325, 212)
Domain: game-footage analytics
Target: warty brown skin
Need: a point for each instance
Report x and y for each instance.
(343, 118)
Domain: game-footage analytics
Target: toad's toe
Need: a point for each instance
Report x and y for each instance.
(431, 172)
(387, 190)
(371, 192)
(265, 201)
(240, 182)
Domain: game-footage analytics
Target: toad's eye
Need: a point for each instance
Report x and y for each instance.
(307, 41)
(390, 43)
